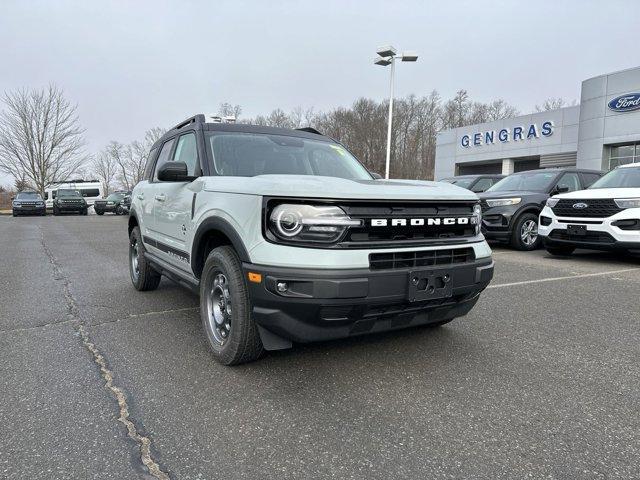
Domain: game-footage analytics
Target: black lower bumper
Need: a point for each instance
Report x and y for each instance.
(577, 242)
(314, 305)
(18, 212)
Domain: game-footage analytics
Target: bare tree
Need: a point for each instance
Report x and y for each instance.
(130, 160)
(105, 168)
(228, 110)
(554, 104)
(41, 140)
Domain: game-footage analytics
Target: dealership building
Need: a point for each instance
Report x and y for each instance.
(600, 133)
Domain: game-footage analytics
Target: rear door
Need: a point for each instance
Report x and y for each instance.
(173, 204)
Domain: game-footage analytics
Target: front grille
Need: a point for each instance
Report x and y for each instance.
(428, 258)
(590, 237)
(395, 234)
(596, 208)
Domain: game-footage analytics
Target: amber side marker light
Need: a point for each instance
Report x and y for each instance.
(255, 277)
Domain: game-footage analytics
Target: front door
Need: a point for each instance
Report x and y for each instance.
(173, 205)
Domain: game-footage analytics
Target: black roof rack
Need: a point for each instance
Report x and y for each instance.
(309, 130)
(199, 118)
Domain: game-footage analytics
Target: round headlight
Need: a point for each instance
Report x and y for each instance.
(288, 223)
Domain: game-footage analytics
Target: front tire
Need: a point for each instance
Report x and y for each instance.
(55, 210)
(143, 276)
(525, 232)
(85, 211)
(119, 210)
(226, 310)
(561, 251)
(99, 212)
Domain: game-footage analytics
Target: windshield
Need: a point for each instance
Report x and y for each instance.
(620, 178)
(65, 192)
(251, 154)
(28, 196)
(115, 196)
(525, 182)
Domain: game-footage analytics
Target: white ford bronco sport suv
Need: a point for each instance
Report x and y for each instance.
(288, 238)
(606, 216)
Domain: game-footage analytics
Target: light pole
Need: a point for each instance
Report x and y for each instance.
(387, 56)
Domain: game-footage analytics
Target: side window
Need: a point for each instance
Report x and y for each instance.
(571, 181)
(149, 166)
(163, 157)
(482, 185)
(187, 152)
(590, 179)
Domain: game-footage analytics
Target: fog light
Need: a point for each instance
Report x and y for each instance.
(282, 287)
(545, 221)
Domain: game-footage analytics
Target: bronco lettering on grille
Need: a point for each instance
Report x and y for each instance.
(418, 222)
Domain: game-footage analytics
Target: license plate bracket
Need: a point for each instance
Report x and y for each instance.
(429, 285)
(577, 230)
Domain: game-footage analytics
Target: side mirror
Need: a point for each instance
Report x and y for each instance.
(13, 198)
(173, 172)
(376, 176)
(561, 189)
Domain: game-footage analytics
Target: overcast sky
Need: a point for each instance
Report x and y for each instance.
(130, 66)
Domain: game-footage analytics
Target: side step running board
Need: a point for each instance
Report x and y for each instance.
(173, 273)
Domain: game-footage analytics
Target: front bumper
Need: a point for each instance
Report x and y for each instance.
(496, 222)
(24, 210)
(330, 304)
(602, 233)
(71, 207)
(99, 207)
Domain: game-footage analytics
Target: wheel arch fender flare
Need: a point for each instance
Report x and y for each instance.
(216, 224)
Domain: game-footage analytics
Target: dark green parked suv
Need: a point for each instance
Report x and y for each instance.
(117, 202)
(68, 200)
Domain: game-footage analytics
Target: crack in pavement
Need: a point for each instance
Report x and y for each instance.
(146, 314)
(143, 441)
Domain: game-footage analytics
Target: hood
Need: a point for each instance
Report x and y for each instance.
(311, 186)
(510, 194)
(602, 193)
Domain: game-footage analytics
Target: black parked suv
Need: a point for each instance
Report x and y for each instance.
(117, 202)
(510, 208)
(475, 183)
(28, 203)
(69, 200)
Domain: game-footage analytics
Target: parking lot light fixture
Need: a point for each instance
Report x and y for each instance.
(387, 56)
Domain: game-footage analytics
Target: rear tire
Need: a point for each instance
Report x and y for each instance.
(143, 276)
(226, 310)
(525, 232)
(560, 251)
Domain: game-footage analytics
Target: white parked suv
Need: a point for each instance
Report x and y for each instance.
(288, 238)
(606, 216)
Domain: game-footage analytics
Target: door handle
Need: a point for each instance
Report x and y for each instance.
(161, 197)
(140, 196)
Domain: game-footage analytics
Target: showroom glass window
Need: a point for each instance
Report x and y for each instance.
(624, 154)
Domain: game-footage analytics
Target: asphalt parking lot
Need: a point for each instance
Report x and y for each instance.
(540, 380)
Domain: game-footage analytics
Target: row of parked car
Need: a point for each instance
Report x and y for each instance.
(561, 208)
(67, 200)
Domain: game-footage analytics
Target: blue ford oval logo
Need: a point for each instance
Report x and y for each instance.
(625, 103)
(580, 205)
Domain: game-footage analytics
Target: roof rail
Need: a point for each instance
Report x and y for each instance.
(309, 130)
(199, 118)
